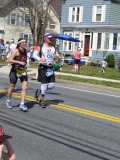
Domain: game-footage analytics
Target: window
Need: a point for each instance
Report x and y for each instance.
(20, 3)
(52, 26)
(106, 42)
(99, 13)
(99, 41)
(13, 18)
(25, 20)
(28, 37)
(76, 44)
(75, 14)
(27, 17)
(115, 41)
(67, 45)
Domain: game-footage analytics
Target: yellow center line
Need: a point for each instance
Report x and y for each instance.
(71, 108)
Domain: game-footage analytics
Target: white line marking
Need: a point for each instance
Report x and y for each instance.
(87, 91)
(81, 90)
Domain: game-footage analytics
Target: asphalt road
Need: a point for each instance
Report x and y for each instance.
(79, 123)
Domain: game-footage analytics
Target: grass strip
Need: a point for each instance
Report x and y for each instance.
(90, 81)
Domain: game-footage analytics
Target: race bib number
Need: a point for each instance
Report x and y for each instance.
(21, 73)
(49, 72)
(49, 59)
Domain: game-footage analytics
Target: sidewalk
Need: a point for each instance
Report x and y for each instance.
(6, 70)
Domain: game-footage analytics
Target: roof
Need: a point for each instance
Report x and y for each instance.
(57, 6)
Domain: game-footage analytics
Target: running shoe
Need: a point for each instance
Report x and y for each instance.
(23, 108)
(41, 104)
(37, 93)
(9, 104)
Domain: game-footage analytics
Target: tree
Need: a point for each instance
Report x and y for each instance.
(37, 14)
(110, 60)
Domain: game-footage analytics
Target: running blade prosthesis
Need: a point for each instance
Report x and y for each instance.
(37, 94)
(41, 104)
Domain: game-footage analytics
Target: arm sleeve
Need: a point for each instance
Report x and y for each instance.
(35, 55)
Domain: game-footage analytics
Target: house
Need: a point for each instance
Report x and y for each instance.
(96, 23)
(14, 21)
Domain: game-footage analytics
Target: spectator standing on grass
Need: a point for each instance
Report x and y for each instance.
(104, 65)
(77, 57)
(10, 154)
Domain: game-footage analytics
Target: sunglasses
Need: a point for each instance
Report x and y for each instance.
(50, 38)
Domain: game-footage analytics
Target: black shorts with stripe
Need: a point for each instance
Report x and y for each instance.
(13, 77)
(43, 78)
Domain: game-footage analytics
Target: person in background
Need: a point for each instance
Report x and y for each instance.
(30, 50)
(104, 65)
(18, 70)
(36, 76)
(12, 48)
(10, 154)
(1, 48)
(77, 57)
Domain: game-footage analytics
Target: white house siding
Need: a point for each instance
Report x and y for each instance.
(1, 27)
(17, 31)
(114, 14)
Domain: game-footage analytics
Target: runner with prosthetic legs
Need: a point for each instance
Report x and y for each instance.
(45, 55)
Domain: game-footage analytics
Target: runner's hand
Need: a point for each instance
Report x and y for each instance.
(22, 63)
(43, 59)
(55, 56)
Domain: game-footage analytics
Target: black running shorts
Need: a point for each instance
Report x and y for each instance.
(43, 78)
(13, 77)
(76, 61)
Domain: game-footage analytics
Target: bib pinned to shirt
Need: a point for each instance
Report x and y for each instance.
(49, 72)
(21, 73)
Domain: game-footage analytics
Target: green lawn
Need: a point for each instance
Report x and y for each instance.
(111, 73)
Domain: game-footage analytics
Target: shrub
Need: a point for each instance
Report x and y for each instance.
(110, 60)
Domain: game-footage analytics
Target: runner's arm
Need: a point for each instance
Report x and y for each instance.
(36, 55)
(11, 154)
(56, 55)
(11, 59)
(1, 149)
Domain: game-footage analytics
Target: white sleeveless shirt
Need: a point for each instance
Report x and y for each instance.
(48, 54)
